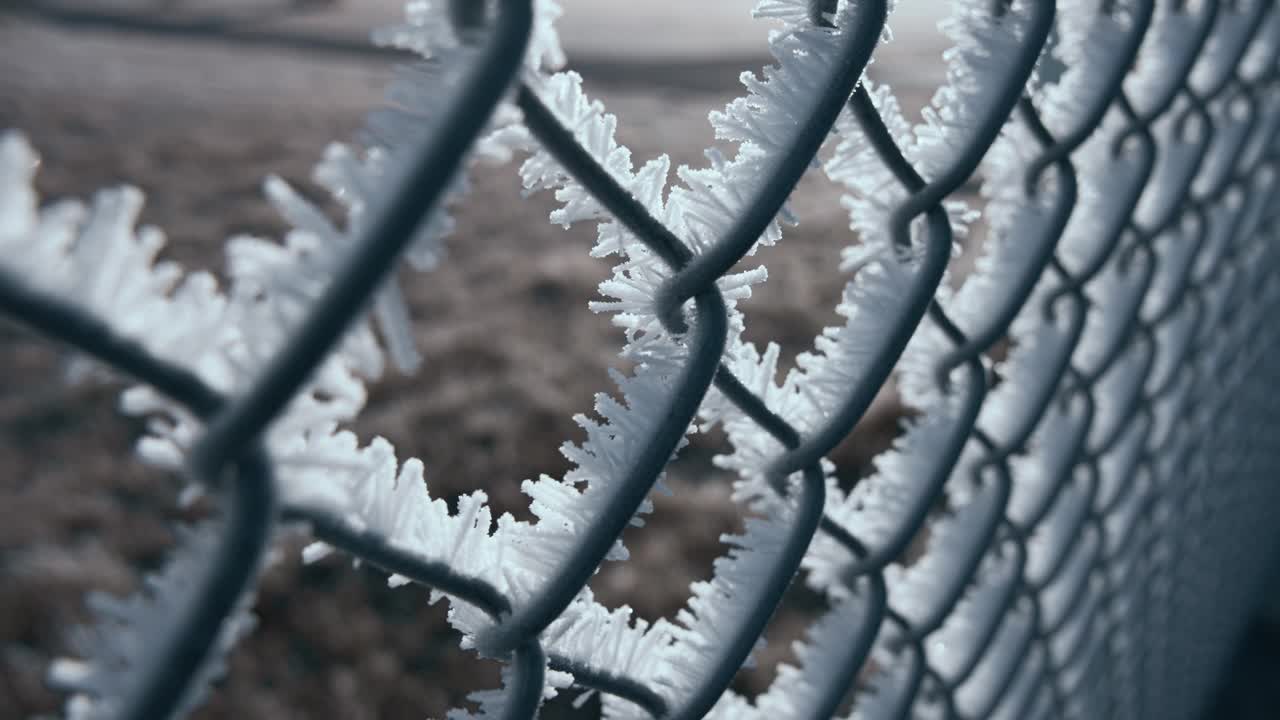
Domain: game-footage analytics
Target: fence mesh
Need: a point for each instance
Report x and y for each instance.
(1077, 524)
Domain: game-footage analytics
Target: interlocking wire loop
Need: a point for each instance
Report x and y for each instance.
(1100, 505)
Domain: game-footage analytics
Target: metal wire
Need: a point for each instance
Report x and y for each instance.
(1129, 566)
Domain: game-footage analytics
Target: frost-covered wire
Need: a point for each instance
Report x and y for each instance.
(999, 559)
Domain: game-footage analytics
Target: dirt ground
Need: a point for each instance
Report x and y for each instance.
(511, 353)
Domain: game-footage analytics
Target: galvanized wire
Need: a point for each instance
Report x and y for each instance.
(1129, 566)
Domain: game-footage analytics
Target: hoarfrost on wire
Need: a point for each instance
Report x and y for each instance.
(95, 257)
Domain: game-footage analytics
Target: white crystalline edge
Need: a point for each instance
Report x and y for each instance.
(1096, 170)
(889, 681)
(954, 537)
(323, 466)
(95, 259)
(1100, 178)
(1257, 58)
(125, 630)
(699, 213)
(881, 281)
(797, 688)
(878, 287)
(755, 363)
(225, 337)
(1014, 217)
(1088, 44)
(1168, 41)
(809, 394)
(638, 308)
(996, 662)
(630, 289)
(61, 227)
(978, 611)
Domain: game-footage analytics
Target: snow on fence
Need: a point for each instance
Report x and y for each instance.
(1076, 521)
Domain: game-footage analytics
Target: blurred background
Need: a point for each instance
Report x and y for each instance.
(195, 101)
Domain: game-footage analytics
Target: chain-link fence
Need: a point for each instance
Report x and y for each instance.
(1076, 523)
